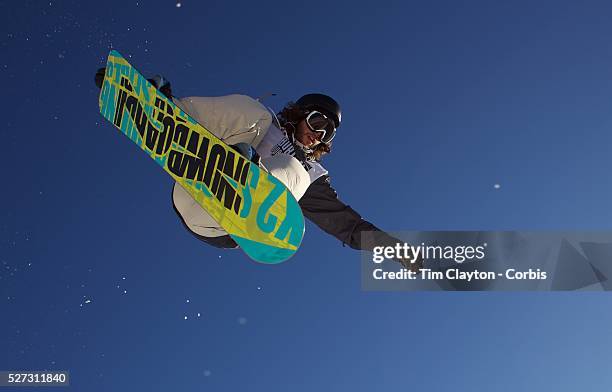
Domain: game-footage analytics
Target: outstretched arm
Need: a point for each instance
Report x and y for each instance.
(321, 205)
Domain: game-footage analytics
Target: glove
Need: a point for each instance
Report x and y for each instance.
(161, 83)
(409, 265)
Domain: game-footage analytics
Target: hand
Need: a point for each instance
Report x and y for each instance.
(409, 265)
(162, 84)
(158, 81)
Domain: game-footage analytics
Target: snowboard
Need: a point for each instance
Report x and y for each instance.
(254, 207)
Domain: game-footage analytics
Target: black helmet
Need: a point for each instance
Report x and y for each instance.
(323, 103)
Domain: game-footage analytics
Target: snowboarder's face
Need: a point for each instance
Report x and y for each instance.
(306, 136)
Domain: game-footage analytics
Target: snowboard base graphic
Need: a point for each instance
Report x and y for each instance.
(256, 209)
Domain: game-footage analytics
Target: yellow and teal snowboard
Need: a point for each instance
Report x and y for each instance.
(255, 208)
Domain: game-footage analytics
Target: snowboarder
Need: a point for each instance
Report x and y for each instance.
(297, 137)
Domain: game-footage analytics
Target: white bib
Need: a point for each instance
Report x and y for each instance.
(276, 142)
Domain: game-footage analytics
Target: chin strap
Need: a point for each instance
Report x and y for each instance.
(302, 147)
(291, 136)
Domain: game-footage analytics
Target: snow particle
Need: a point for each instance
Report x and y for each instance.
(207, 373)
(496, 186)
(242, 320)
(178, 5)
(185, 317)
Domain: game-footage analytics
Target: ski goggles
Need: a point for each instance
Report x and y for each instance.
(321, 124)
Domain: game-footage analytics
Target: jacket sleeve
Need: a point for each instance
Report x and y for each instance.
(321, 205)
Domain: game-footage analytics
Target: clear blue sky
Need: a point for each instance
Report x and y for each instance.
(441, 102)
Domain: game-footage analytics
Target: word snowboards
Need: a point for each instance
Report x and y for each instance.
(255, 208)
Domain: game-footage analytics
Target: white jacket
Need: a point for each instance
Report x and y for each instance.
(234, 119)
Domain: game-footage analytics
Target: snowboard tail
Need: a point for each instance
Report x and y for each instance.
(256, 209)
